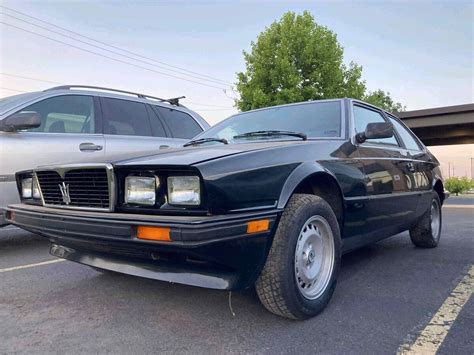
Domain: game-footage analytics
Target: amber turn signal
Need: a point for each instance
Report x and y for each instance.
(261, 225)
(161, 234)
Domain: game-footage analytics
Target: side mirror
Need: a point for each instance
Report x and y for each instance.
(376, 130)
(21, 120)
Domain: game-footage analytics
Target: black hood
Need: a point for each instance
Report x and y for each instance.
(199, 154)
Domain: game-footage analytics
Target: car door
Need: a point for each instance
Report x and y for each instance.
(390, 202)
(69, 133)
(421, 164)
(132, 129)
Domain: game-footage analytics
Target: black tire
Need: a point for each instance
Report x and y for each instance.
(277, 286)
(422, 234)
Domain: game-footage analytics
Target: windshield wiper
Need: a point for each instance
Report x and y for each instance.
(204, 140)
(271, 133)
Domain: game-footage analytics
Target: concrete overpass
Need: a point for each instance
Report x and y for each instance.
(442, 125)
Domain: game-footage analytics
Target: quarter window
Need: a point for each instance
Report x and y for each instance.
(123, 117)
(407, 138)
(65, 114)
(364, 116)
(180, 124)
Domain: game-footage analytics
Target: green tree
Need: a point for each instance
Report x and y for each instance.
(296, 59)
(382, 99)
(457, 185)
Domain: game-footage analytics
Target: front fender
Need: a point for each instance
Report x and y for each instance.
(297, 176)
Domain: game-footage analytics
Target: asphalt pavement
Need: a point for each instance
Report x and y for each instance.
(386, 295)
(461, 200)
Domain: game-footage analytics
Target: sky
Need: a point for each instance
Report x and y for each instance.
(419, 51)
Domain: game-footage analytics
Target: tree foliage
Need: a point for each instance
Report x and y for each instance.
(457, 185)
(295, 59)
(382, 99)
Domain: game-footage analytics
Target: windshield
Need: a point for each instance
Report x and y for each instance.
(315, 119)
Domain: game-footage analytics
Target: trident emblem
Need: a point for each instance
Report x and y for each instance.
(65, 193)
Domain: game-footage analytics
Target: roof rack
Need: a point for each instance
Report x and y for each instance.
(173, 101)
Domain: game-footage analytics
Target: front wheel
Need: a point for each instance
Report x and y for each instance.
(427, 232)
(300, 273)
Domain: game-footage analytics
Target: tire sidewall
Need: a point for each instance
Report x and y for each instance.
(438, 202)
(301, 306)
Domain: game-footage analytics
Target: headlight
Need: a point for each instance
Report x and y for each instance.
(184, 190)
(27, 188)
(140, 190)
(36, 191)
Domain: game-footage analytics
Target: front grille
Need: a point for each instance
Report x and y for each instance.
(87, 188)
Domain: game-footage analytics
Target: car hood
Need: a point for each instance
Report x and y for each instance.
(199, 154)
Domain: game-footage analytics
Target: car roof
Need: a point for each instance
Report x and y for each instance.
(9, 103)
(317, 101)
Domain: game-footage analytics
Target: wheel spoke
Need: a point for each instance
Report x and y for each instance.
(314, 257)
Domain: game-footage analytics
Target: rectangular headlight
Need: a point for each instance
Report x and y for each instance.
(27, 187)
(184, 190)
(36, 191)
(140, 190)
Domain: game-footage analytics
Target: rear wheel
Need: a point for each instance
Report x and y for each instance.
(427, 232)
(301, 270)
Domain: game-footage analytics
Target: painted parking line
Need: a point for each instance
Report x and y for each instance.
(433, 335)
(31, 265)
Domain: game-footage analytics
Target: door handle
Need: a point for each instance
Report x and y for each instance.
(411, 167)
(89, 147)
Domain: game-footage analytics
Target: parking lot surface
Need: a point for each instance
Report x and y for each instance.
(386, 295)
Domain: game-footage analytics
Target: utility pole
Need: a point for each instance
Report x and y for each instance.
(472, 174)
(449, 169)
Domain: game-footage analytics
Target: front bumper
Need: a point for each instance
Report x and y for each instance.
(3, 220)
(207, 251)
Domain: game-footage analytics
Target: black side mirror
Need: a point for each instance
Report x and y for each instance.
(21, 120)
(376, 130)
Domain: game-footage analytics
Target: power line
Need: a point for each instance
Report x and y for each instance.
(113, 52)
(13, 90)
(115, 47)
(58, 83)
(34, 79)
(111, 58)
(217, 109)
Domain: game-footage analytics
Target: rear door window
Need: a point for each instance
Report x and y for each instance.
(157, 127)
(64, 114)
(124, 117)
(180, 124)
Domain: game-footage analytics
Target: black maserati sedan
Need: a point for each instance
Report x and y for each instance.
(269, 198)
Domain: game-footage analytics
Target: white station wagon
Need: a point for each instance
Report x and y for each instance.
(75, 124)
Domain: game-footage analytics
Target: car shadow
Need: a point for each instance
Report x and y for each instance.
(187, 301)
(12, 237)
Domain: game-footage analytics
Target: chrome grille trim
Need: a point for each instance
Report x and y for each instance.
(92, 192)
